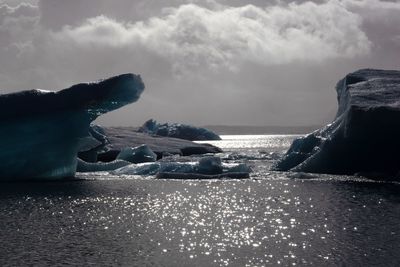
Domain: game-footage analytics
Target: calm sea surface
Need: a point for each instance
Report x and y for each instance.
(276, 219)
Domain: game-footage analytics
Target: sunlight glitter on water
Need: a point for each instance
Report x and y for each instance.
(241, 142)
(228, 222)
(270, 219)
(213, 223)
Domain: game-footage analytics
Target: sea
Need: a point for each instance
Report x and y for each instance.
(271, 219)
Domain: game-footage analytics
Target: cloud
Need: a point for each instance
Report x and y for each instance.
(259, 63)
(17, 24)
(381, 19)
(191, 36)
(18, 27)
(22, 9)
(57, 13)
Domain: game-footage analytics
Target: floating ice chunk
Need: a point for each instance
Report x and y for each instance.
(154, 168)
(137, 154)
(139, 169)
(207, 168)
(210, 165)
(188, 167)
(229, 167)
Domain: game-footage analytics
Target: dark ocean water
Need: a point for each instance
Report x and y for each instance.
(271, 219)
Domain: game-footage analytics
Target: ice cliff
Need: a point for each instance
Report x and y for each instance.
(42, 131)
(177, 130)
(364, 136)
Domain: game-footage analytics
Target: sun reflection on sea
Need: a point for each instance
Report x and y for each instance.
(270, 219)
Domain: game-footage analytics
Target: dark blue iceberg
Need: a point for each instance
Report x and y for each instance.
(364, 136)
(177, 130)
(42, 131)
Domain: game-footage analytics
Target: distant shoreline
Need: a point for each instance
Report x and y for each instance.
(241, 130)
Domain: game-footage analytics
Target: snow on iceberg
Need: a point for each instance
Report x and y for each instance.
(42, 131)
(177, 130)
(364, 137)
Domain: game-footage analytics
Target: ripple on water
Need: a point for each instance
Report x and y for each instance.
(287, 222)
(272, 219)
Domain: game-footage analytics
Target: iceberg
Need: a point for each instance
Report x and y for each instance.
(364, 136)
(43, 131)
(177, 130)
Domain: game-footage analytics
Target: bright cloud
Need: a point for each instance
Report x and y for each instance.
(192, 36)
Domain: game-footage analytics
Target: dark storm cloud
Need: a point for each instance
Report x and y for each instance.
(206, 62)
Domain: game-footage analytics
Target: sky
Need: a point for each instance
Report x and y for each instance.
(210, 62)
